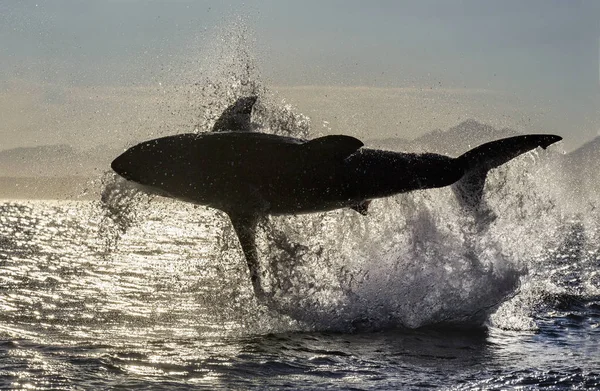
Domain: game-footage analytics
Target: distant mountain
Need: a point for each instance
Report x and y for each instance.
(395, 144)
(52, 171)
(69, 187)
(453, 141)
(583, 164)
(581, 172)
(462, 137)
(57, 160)
(586, 155)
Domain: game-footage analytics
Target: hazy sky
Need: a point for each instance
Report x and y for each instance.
(540, 57)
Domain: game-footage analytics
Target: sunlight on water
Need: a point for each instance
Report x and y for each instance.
(131, 289)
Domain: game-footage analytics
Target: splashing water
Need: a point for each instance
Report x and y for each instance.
(147, 292)
(121, 205)
(416, 260)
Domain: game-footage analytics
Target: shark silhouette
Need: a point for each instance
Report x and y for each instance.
(249, 175)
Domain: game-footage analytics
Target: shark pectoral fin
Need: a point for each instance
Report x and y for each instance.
(362, 207)
(244, 225)
(236, 117)
(337, 147)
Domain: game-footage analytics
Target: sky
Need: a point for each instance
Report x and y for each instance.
(531, 65)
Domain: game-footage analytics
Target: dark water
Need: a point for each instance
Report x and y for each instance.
(133, 293)
(146, 294)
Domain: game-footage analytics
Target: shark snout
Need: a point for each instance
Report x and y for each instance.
(122, 166)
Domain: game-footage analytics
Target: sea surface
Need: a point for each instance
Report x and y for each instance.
(133, 292)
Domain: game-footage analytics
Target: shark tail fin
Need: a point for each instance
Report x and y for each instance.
(236, 117)
(478, 161)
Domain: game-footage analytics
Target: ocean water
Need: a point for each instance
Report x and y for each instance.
(128, 292)
(133, 292)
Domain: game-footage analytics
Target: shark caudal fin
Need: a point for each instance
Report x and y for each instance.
(236, 117)
(478, 161)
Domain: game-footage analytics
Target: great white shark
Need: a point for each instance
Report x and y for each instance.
(249, 175)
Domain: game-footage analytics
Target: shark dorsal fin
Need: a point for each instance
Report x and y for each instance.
(236, 117)
(336, 146)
